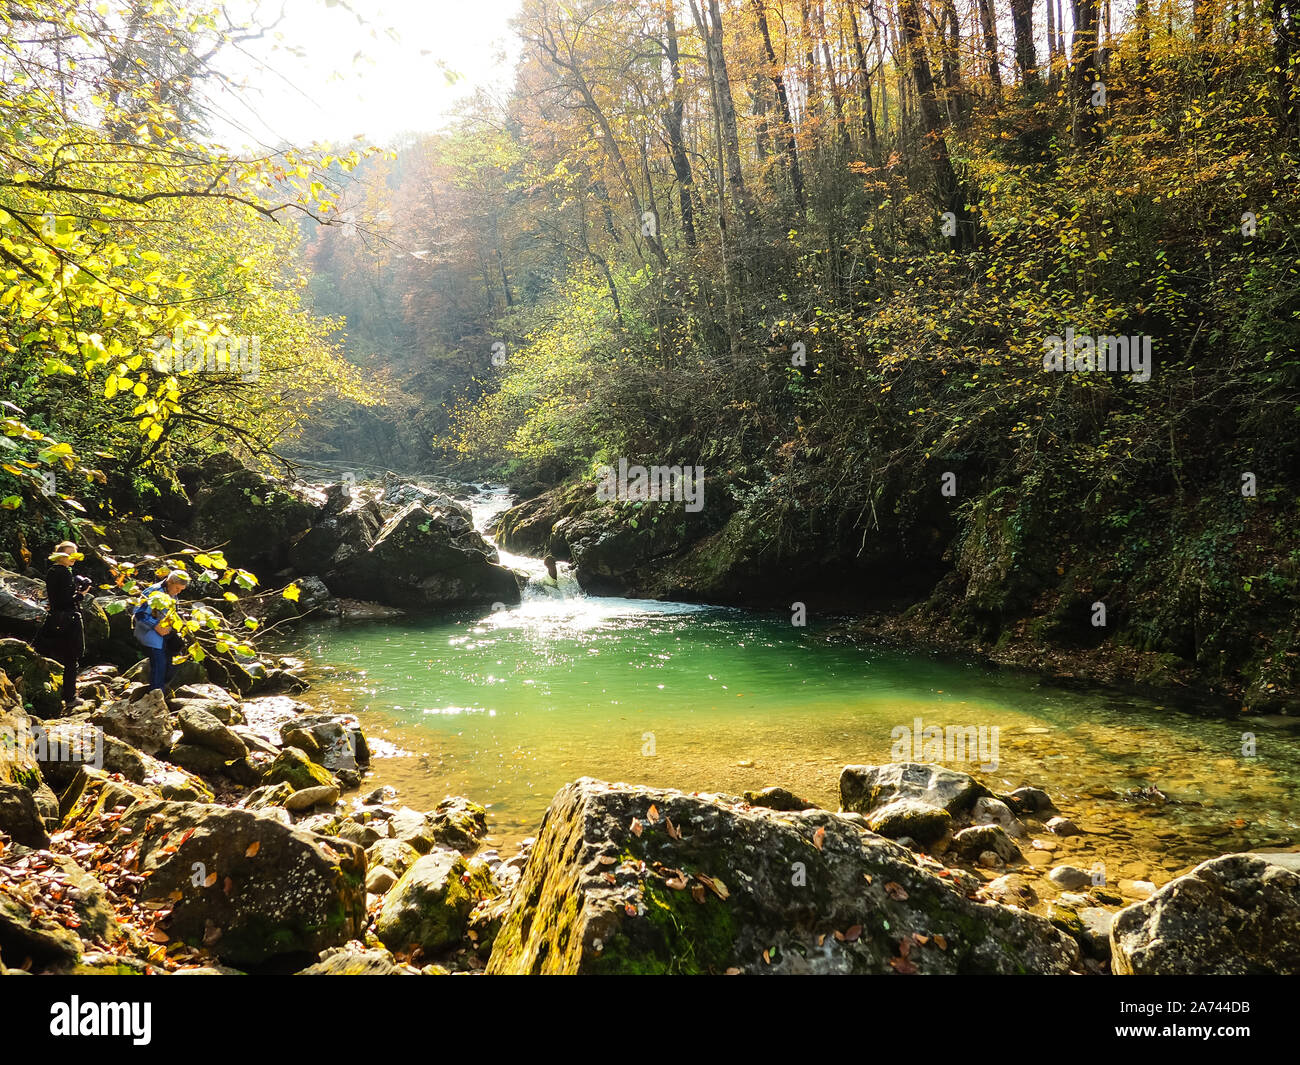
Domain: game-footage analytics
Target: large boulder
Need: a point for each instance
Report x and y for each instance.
(18, 764)
(429, 906)
(37, 678)
(202, 729)
(1230, 916)
(78, 894)
(337, 537)
(248, 887)
(458, 823)
(254, 516)
(22, 609)
(331, 740)
(911, 819)
(294, 768)
(642, 880)
(145, 723)
(863, 788)
(527, 528)
(20, 818)
(426, 558)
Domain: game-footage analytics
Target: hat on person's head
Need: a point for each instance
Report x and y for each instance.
(66, 549)
(179, 576)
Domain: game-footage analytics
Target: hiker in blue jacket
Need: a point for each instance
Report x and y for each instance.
(154, 633)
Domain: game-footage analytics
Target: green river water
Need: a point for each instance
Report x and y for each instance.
(506, 707)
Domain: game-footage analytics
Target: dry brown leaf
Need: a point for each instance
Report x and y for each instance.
(159, 936)
(766, 958)
(636, 827)
(819, 837)
(940, 942)
(610, 878)
(852, 932)
(903, 966)
(676, 883)
(895, 890)
(210, 879)
(228, 885)
(652, 814)
(733, 971)
(253, 848)
(698, 893)
(606, 859)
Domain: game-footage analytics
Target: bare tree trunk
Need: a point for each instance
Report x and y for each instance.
(837, 100)
(991, 45)
(1022, 21)
(1084, 71)
(726, 108)
(791, 150)
(672, 119)
(1051, 42)
(945, 177)
(864, 85)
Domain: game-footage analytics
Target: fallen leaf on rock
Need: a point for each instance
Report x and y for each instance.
(852, 932)
(253, 848)
(159, 936)
(606, 859)
(819, 837)
(903, 966)
(676, 883)
(697, 892)
(940, 942)
(228, 885)
(610, 878)
(210, 879)
(920, 939)
(186, 835)
(733, 971)
(652, 814)
(636, 827)
(895, 890)
(767, 960)
(673, 831)
(714, 885)
(821, 939)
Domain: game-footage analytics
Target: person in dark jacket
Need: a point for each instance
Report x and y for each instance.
(63, 637)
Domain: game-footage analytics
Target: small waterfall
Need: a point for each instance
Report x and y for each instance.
(495, 500)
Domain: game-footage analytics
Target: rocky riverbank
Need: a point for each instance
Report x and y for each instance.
(202, 832)
(228, 826)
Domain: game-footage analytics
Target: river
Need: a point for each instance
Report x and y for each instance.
(504, 707)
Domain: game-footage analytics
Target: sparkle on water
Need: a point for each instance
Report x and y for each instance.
(505, 707)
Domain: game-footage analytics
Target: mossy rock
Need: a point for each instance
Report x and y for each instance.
(645, 880)
(429, 906)
(38, 679)
(298, 771)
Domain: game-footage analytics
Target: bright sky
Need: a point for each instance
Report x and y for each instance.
(324, 75)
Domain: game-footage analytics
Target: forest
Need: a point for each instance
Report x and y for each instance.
(879, 363)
